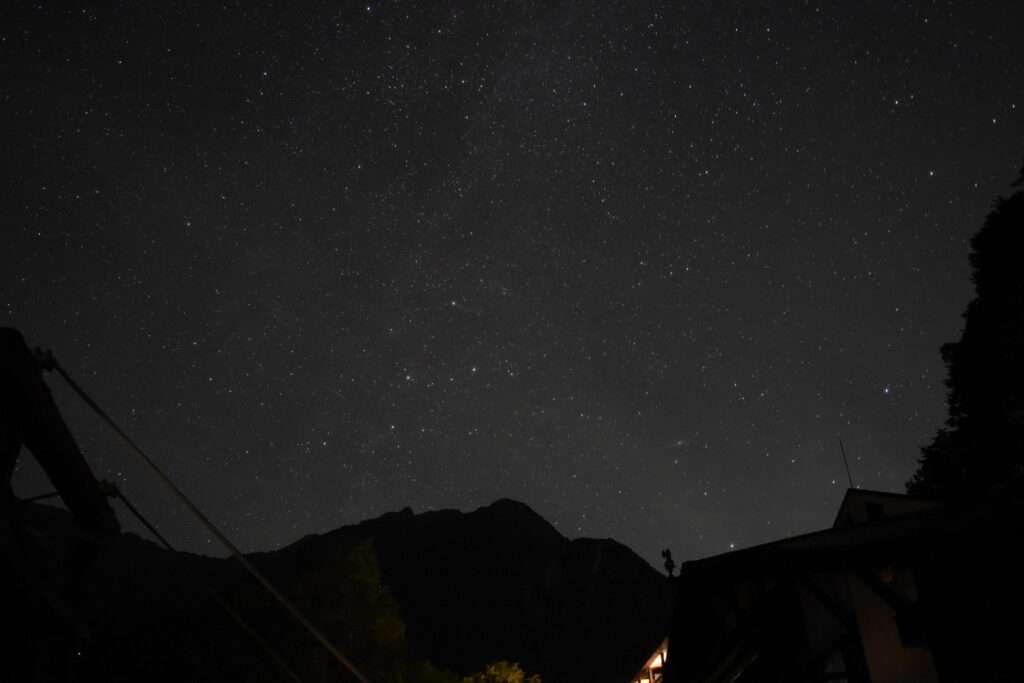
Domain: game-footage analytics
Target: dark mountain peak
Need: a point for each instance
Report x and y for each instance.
(508, 512)
(465, 589)
(509, 504)
(402, 516)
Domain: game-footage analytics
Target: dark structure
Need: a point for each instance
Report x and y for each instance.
(654, 666)
(40, 583)
(899, 589)
(28, 416)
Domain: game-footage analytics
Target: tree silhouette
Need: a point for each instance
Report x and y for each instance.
(980, 450)
(502, 672)
(363, 617)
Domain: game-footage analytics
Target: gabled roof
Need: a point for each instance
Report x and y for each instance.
(894, 504)
(830, 549)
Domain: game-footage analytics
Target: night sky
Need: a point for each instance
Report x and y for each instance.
(637, 264)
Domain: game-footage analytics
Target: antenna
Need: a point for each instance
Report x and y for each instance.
(849, 477)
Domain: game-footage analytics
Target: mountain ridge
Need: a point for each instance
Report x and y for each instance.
(458, 589)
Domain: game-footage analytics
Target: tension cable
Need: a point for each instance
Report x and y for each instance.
(49, 362)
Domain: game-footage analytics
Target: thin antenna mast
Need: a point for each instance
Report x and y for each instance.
(849, 477)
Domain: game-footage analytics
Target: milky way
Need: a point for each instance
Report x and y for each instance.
(637, 264)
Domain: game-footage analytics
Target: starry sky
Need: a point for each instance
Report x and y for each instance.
(638, 264)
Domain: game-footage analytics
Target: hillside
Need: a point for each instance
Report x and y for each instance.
(457, 590)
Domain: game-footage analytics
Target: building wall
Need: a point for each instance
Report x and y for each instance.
(889, 659)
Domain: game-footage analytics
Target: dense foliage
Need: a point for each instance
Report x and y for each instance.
(365, 619)
(502, 672)
(980, 450)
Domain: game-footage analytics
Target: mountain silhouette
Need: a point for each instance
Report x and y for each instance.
(457, 590)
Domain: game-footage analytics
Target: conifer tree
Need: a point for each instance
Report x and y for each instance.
(980, 450)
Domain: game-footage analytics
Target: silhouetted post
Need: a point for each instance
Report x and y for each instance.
(670, 564)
